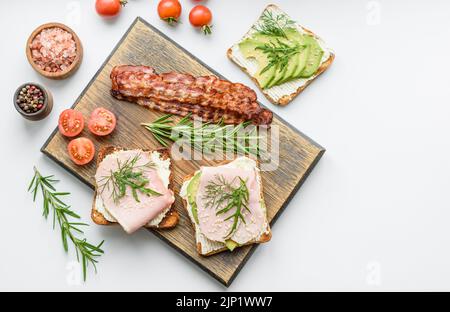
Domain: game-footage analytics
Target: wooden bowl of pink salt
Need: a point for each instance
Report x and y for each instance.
(54, 51)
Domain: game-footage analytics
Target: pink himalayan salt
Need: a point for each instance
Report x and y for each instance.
(53, 49)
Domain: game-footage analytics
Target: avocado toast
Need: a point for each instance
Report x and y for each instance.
(229, 218)
(281, 56)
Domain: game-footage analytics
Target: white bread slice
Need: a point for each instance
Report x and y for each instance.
(165, 220)
(286, 92)
(207, 247)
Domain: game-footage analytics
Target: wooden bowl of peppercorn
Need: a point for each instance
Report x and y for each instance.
(33, 101)
(54, 51)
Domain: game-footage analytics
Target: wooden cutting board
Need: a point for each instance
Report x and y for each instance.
(144, 44)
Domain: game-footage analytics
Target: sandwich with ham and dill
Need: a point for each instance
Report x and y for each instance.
(133, 188)
(226, 206)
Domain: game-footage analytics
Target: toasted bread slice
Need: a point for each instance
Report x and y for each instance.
(217, 247)
(171, 217)
(282, 94)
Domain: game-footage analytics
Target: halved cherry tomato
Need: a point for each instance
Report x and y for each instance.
(109, 8)
(169, 10)
(201, 16)
(102, 122)
(81, 150)
(71, 123)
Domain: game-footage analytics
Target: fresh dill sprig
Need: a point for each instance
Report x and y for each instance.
(206, 137)
(223, 197)
(273, 25)
(70, 231)
(278, 53)
(128, 174)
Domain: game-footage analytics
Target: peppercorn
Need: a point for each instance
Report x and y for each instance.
(30, 99)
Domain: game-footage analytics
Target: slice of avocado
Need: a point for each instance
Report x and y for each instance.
(297, 63)
(248, 49)
(231, 244)
(302, 58)
(293, 38)
(290, 69)
(265, 78)
(314, 58)
(192, 189)
(297, 38)
(279, 75)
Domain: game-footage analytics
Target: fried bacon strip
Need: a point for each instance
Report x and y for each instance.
(206, 97)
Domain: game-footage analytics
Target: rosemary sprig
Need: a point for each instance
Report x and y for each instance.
(206, 137)
(273, 25)
(70, 231)
(128, 174)
(223, 197)
(278, 53)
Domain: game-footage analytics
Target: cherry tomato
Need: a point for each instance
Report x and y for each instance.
(109, 8)
(71, 123)
(81, 150)
(169, 10)
(201, 16)
(102, 122)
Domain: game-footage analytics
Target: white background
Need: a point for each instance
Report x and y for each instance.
(373, 215)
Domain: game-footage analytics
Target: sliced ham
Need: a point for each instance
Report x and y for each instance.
(214, 226)
(129, 213)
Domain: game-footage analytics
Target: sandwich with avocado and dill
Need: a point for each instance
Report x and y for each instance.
(281, 56)
(226, 206)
